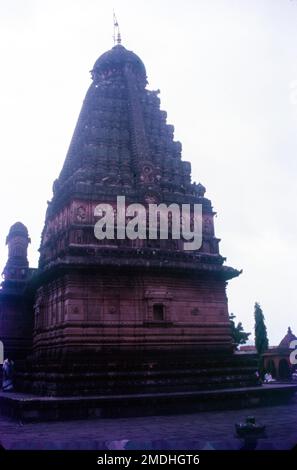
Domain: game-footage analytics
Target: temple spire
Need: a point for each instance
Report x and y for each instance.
(116, 31)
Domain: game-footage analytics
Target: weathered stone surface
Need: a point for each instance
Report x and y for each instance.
(122, 297)
(123, 293)
(16, 315)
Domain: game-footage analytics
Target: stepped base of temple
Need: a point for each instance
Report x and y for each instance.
(30, 408)
(136, 373)
(146, 384)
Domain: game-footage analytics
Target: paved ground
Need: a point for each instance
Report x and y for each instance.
(209, 430)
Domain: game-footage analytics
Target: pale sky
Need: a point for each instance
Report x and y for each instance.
(227, 71)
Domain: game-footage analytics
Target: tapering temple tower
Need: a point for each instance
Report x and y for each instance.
(17, 265)
(16, 316)
(123, 305)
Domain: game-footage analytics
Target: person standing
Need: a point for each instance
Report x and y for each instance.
(7, 380)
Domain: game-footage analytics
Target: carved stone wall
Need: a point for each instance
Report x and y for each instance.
(16, 325)
(102, 311)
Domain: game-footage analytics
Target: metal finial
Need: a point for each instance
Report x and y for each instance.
(116, 31)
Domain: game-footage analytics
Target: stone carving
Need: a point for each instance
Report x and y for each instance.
(75, 310)
(147, 175)
(81, 214)
(208, 225)
(200, 189)
(150, 199)
(123, 145)
(195, 311)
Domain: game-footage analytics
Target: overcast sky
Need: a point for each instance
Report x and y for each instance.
(227, 71)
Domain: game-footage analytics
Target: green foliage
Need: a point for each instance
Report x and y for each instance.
(239, 336)
(261, 339)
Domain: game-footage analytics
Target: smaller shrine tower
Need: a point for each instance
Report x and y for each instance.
(17, 265)
(16, 317)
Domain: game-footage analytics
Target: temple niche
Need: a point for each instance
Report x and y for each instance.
(126, 306)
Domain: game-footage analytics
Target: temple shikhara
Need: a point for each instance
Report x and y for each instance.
(119, 315)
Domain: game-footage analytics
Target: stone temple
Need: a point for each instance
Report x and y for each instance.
(114, 316)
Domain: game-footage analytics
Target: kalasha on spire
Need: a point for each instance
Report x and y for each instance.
(122, 304)
(117, 39)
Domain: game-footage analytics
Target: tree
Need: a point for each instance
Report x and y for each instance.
(238, 334)
(261, 339)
